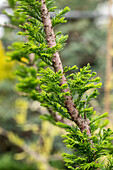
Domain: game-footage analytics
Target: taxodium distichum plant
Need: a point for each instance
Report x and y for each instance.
(43, 78)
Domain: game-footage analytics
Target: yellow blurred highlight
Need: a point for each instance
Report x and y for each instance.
(15, 139)
(48, 133)
(33, 127)
(23, 59)
(6, 68)
(22, 106)
(20, 156)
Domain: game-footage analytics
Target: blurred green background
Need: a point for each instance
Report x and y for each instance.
(27, 142)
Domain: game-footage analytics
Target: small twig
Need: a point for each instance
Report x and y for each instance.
(9, 26)
(58, 118)
(31, 61)
(85, 117)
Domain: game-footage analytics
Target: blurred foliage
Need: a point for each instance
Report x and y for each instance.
(7, 91)
(21, 130)
(8, 163)
(12, 3)
(84, 43)
(6, 68)
(87, 39)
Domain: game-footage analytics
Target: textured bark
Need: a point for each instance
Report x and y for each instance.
(83, 124)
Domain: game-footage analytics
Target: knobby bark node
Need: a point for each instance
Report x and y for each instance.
(57, 65)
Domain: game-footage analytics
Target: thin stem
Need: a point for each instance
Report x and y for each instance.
(9, 26)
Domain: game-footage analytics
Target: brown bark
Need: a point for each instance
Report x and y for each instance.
(83, 124)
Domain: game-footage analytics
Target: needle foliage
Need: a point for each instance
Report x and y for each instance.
(39, 81)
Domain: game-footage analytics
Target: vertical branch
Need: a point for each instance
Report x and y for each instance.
(57, 65)
(50, 36)
(108, 61)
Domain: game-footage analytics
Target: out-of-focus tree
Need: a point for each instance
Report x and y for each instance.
(87, 39)
(79, 5)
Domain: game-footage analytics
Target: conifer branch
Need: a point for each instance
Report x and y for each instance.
(64, 96)
(57, 65)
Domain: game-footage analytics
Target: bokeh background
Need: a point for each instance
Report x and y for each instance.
(27, 142)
